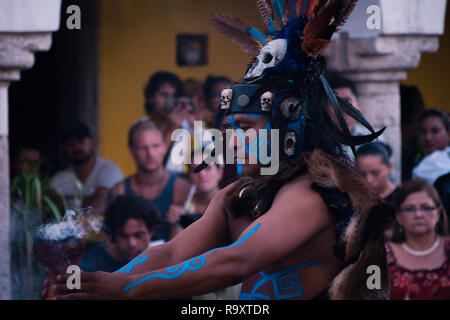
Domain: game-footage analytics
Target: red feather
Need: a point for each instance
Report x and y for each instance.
(320, 6)
(319, 30)
(288, 14)
(311, 7)
(314, 47)
(309, 11)
(298, 6)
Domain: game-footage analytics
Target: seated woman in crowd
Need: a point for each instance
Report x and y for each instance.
(419, 254)
(434, 136)
(373, 161)
(205, 185)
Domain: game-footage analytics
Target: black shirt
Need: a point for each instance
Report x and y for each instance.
(97, 259)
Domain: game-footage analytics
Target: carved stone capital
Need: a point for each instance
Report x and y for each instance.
(17, 52)
(384, 58)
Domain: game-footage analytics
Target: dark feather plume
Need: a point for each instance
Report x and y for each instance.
(306, 7)
(324, 23)
(236, 30)
(264, 11)
(320, 6)
(347, 9)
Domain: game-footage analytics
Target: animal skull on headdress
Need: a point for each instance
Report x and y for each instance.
(266, 101)
(271, 54)
(225, 98)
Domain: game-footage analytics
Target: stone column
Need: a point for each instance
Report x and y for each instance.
(25, 27)
(5, 287)
(378, 59)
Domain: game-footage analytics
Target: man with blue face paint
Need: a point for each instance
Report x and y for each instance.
(308, 230)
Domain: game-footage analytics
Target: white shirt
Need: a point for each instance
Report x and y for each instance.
(433, 166)
(105, 174)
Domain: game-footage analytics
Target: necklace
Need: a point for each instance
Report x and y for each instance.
(418, 253)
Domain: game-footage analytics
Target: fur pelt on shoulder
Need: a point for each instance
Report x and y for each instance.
(362, 217)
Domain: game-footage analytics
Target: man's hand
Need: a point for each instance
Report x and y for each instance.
(94, 286)
(177, 115)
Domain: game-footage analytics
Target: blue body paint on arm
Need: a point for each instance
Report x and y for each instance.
(193, 264)
(130, 265)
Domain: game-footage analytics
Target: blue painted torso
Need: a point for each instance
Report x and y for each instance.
(285, 284)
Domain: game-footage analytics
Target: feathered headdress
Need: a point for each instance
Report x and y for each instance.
(287, 54)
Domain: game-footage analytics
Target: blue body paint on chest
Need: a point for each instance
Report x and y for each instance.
(193, 264)
(285, 285)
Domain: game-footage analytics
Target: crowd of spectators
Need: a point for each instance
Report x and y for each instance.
(163, 196)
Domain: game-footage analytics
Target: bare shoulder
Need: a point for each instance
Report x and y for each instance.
(300, 189)
(298, 198)
(217, 203)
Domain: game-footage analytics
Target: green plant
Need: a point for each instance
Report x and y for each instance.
(33, 202)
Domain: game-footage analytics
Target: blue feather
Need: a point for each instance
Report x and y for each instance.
(279, 9)
(256, 34)
(305, 6)
(293, 8)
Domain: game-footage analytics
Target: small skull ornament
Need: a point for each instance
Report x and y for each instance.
(290, 143)
(291, 108)
(225, 99)
(271, 54)
(266, 101)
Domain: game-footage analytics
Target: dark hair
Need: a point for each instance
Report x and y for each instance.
(436, 112)
(412, 103)
(412, 186)
(376, 149)
(76, 129)
(339, 82)
(210, 82)
(155, 81)
(123, 208)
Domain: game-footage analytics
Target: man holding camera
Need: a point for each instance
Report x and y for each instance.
(165, 105)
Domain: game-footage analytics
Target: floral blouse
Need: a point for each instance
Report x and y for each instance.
(419, 284)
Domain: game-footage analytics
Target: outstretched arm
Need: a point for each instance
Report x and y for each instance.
(269, 238)
(209, 232)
